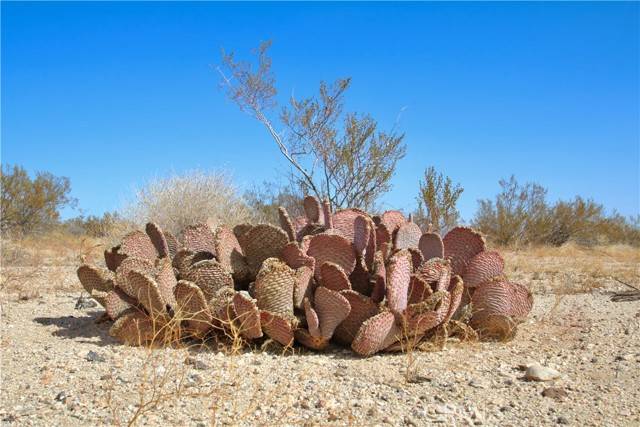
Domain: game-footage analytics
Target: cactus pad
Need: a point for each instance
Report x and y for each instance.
(138, 244)
(332, 309)
(95, 278)
(210, 276)
(461, 244)
(334, 277)
(312, 209)
(274, 288)
(247, 315)
(499, 304)
(431, 246)
(261, 242)
(407, 236)
(331, 248)
(362, 308)
(158, 239)
(229, 254)
(483, 267)
(375, 334)
(313, 323)
(398, 277)
(286, 224)
(199, 238)
(277, 328)
(193, 308)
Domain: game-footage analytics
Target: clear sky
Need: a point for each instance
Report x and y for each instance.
(110, 94)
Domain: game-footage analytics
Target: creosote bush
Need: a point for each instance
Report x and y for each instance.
(372, 283)
(179, 200)
(521, 214)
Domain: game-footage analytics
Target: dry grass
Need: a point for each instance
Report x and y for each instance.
(176, 201)
(571, 268)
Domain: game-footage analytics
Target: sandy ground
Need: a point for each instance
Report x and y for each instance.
(60, 367)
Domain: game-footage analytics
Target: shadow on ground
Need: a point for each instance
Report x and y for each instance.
(83, 328)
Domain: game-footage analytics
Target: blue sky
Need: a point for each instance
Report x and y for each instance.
(111, 94)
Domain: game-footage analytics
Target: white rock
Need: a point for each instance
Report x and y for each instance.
(537, 372)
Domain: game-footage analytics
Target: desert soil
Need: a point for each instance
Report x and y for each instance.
(61, 368)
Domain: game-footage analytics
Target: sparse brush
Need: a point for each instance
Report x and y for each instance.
(371, 283)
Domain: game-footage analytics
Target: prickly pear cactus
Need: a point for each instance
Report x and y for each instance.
(327, 278)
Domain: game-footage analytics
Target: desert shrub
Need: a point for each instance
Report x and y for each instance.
(179, 200)
(340, 156)
(520, 214)
(94, 226)
(437, 201)
(264, 202)
(31, 204)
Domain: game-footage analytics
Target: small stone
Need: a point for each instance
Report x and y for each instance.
(538, 372)
(555, 393)
(93, 356)
(418, 378)
(624, 357)
(85, 302)
(61, 397)
(321, 403)
(196, 363)
(410, 421)
(562, 420)
(477, 384)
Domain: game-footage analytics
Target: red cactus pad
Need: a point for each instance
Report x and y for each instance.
(135, 328)
(210, 276)
(393, 220)
(419, 290)
(430, 271)
(138, 244)
(398, 277)
(229, 253)
(128, 264)
(444, 280)
(286, 224)
(148, 295)
(346, 221)
(261, 242)
(312, 209)
(407, 236)
(456, 288)
(332, 248)
(313, 323)
(295, 257)
(496, 302)
(383, 235)
(380, 278)
(277, 328)
(172, 243)
(113, 257)
(166, 280)
(334, 277)
(483, 267)
(461, 244)
(247, 315)
(302, 288)
(332, 309)
(158, 239)
(428, 314)
(431, 246)
(117, 302)
(305, 338)
(416, 258)
(361, 233)
(375, 334)
(199, 238)
(274, 288)
(362, 308)
(95, 278)
(192, 308)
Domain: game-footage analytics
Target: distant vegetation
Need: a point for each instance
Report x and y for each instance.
(520, 214)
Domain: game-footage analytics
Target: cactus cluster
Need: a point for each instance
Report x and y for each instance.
(367, 282)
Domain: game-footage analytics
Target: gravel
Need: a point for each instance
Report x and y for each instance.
(61, 368)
